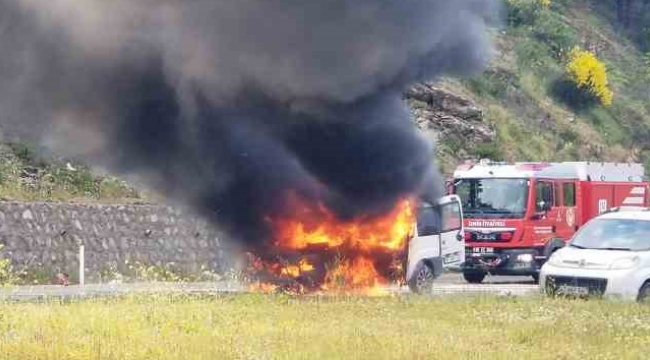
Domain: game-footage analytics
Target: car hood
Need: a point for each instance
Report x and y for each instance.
(590, 258)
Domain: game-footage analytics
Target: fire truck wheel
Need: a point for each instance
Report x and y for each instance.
(644, 293)
(474, 277)
(422, 281)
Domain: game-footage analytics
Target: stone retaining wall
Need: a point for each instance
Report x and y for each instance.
(46, 236)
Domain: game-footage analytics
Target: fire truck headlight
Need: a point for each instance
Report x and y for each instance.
(525, 258)
(624, 263)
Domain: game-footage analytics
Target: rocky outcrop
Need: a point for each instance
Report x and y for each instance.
(448, 115)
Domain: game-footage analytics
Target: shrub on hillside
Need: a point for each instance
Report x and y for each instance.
(525, 12)
(488, 151)
(588, 74)
(493, 82)
(533, 54)
(520, 12)
(551, 30)
(25, 175)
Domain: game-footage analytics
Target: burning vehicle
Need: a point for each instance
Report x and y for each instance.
(280, 122)
(317, 252)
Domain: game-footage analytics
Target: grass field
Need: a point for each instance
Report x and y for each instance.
(277, 327)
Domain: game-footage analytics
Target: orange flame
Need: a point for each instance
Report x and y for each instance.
(318, 226)
(358, 242)
(295, 270)
(355, 274)
(263, 287)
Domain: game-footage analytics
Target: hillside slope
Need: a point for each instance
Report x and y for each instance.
(523, 95)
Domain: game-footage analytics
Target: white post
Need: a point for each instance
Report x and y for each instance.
(82, 265)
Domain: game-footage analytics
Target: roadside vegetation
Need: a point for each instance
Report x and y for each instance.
(279, 327)
(26, 175)
(12, 274)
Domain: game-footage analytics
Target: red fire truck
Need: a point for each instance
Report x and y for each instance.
(517, 215)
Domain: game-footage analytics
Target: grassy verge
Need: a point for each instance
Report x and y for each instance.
(276, 327)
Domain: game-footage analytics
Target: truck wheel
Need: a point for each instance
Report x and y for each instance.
(474, 277)
(644, 293)
(422, 280)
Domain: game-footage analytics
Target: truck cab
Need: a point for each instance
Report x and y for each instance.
(438, 242)
(517, 215)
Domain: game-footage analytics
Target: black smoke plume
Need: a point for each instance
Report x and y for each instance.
(225, 105)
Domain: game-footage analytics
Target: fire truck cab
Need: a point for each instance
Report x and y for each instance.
(517, 215)
(438, 242)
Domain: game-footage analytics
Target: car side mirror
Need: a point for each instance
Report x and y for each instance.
(459, 237)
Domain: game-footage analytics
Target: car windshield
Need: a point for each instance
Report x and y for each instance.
(493, 198)
(614, 234)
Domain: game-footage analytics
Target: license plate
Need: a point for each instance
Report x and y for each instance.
(480, 236)
(482, 250)
(572, 290)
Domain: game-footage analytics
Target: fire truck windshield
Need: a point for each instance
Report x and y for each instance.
(493, 198)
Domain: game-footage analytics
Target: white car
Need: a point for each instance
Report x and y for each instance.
(608, 256)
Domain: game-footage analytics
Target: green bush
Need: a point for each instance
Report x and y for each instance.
(488, 151)
(7, 274)
(607, 125)
(565, 91)
(521, 12)
(534, 55)
(53, 181)
(453, 144)
(493, 82)
(558, 36)
(568, 136)
(78, 181)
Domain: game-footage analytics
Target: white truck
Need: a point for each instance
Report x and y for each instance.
(438, 243)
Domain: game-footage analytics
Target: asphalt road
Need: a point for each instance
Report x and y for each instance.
(500, 285)
(445, 285)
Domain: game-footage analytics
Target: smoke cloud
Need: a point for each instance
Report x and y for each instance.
(225, 105)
